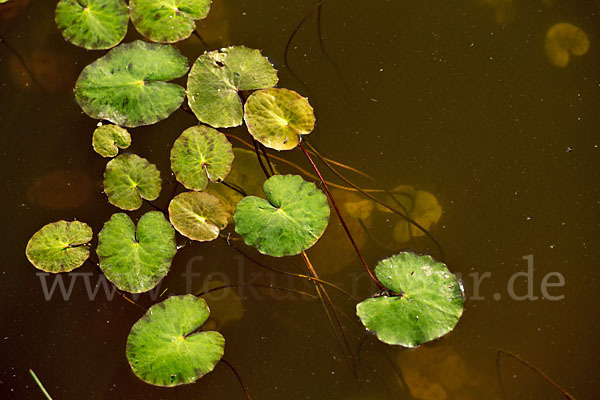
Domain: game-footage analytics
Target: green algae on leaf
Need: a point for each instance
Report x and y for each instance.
(197, 215)
(92, 24)
(136, 259)
(128, 86)
(130, 178)
(108, 139)
(425, 303)
(216, 78)
(564, 40)
(201, 154)
(278, 117)
(163, 347)
(167, 21)
(59, 246)
(291, 220)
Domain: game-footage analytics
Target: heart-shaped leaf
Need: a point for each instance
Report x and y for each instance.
(216, 78)
(136, 259)
(426, 301)
(564, 40)
(201, 154)
(92, 24)
(108, 139)
(197, 215)
(128, 85)
(130, 178)
(291, 220)
(167, 21)
(60, 246)
(278, 117)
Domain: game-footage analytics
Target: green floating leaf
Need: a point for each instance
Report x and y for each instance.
(426, 303)
(163, 349)
(216, 78)
(167, 21)
(197, 215)
(128, 85)
(135, 260)
(130, 178)
(277, 118)
(108, 139)
(92, 24)
(60, 246)
(291, 221)
(201, 154)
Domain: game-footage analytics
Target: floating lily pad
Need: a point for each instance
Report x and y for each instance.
(201, 154)
(197, 215)
(564, 39)
(167, 21)
(292, 220)
(136, 259)
(426, 301)
(92, 24)
(128, 86)
(278, 117)
(108, 139)
(130, 178)
(60, 246)
(216, 78)
(163, 349)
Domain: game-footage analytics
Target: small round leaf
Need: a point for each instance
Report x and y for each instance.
(426, 301)
(92, 24)
(562, 41)
(128, 85)
(108, 139)
(135, 260)
(216, 78)
(167, 21)
(163, 349)
(197, 215)
(60, 246)
(201, 154)
(278, 117)
(130, 178)
(292, 220)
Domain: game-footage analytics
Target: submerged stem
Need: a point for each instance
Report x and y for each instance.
(238, 376)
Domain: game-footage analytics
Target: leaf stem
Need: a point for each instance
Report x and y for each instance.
(238, 376)
(42, 388)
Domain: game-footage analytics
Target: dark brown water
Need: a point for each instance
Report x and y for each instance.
(455, 98)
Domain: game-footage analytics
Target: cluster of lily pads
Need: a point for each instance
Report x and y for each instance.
(129, 86)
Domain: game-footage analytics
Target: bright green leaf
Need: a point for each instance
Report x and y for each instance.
(426, 301)
(216, 78)
(128, 85)
(167, 21)
(278, 118)
(197, 215)
(92, 24)
(130, 178)
(60, 246)
(136, 259)
(108, 139)
(292, 220)
(201, 154)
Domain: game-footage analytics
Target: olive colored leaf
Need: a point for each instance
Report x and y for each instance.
(130, 178)
(197, 215)
(216, 78)
(425, 301)
(199, 155)
(278, 117)
(246, 174)
(167, 21)
(92, 24)
(163, 347)
(59, 246)
(108, 139)
(136, 259)
(128, 85)
(290, 221)
(564, 40)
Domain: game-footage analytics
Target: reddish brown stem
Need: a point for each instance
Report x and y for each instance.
(238, 376)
